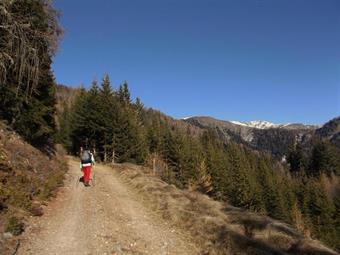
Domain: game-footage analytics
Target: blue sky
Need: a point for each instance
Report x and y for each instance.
(275, 60)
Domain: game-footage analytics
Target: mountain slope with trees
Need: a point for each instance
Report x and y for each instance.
(274, 139)
(298, 192)
(330, 131)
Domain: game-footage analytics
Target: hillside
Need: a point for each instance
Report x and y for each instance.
(262, 136)
(65, 96)
(330, 131)
(129, 211)
(192, 156)
(27, 179)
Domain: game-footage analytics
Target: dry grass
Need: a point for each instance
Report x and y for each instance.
(218, 228)
(27, 179)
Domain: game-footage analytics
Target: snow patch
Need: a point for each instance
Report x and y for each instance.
(260, 124)
(239, 123)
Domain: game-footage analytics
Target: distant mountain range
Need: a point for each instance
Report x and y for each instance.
(260, 124)
(267, 136)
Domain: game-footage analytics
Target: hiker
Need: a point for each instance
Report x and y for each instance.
(86, 163)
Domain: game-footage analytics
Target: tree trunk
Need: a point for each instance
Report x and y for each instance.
(105, 150)
(154, 165)
(113, 156)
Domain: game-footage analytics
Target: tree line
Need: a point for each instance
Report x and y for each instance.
(121, 130)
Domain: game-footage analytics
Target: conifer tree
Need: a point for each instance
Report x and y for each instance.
(242, 188)
(29, 36)
(108, 118)
(296, 159)
(203, 182)
(320, 210)
(269, 191)
(124, 93)
(78, 124)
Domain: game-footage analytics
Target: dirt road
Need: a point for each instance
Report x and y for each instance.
(108, 218)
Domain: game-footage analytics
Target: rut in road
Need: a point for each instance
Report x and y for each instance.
(105, 219)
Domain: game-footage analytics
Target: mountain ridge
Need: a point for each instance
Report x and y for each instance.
(261, 124)
(275, 140)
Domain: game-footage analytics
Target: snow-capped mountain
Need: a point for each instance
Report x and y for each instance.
(261, 124)
(260, 135)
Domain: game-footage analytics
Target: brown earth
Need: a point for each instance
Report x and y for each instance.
(106, 218)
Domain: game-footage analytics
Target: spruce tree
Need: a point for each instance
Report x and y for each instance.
(296, 159)
(124, 93)
(242, 190)
(29, 36)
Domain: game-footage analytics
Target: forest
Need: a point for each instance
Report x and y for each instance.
(301, 191)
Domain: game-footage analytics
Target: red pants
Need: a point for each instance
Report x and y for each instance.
(86, 171)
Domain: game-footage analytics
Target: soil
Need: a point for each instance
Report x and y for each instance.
(108, 217)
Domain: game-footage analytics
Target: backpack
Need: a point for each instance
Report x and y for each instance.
(86, 157)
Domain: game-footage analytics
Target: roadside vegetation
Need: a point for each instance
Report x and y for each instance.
(217, 227)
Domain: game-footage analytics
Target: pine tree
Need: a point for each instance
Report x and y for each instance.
(124, 93)
(108, 118)
(319, 160)
(324, 159)
(27, 88)
(320, 210)
(203, 182)
(271, 195)
(242, 190)
(78, 124)
(296, 159)
(298, 220)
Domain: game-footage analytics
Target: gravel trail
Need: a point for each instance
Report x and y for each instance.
(107, 218)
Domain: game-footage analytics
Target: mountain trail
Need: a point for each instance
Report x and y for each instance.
(107, 218)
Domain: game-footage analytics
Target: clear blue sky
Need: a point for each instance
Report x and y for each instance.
(275, 60)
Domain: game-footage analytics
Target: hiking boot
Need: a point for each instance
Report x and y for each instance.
(86, 184)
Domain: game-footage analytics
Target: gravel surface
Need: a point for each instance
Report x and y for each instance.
(106, 218)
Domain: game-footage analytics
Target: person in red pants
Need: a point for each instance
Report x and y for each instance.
(86, 163)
